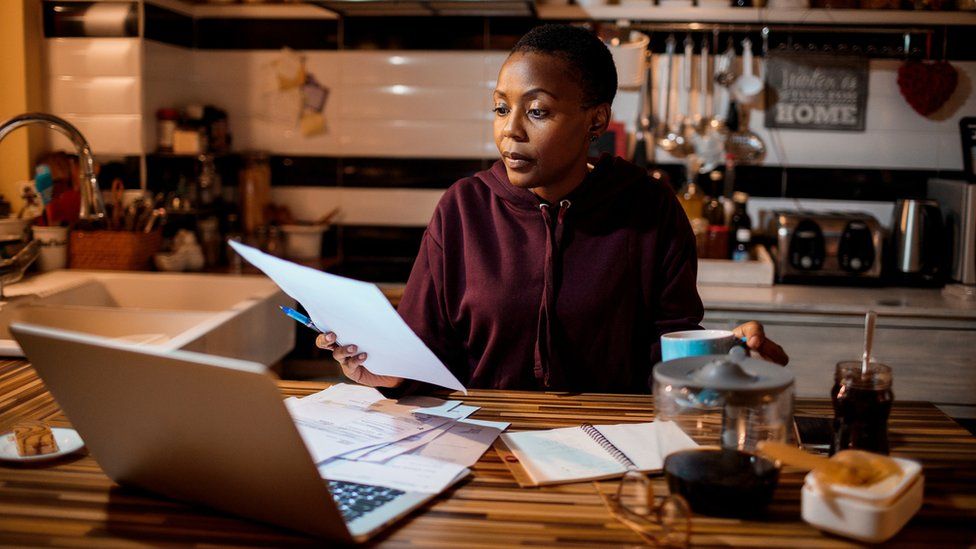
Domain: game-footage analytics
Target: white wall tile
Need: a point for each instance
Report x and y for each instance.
(94, 95)
(108, 134)
(274, 136)
(413, 103)
(427, 68)
(166, 61)
(412, 138)
(93, 56)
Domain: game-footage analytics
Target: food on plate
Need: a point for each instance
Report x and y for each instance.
(34, 438)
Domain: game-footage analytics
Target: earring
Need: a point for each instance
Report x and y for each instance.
(594, 137)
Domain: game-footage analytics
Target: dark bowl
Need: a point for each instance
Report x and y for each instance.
(721, 482)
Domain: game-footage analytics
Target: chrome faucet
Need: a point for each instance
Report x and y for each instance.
(92, 205)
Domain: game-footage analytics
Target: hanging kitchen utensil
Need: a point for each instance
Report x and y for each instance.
(701, 117)
(747, 87)
(666, 141)
(686, 126)
(709, 143)
(643, 135)
(725, 76)
(723, 79)
(745, 146)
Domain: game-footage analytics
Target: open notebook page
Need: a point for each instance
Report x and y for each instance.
(561, 455)
(647, 444)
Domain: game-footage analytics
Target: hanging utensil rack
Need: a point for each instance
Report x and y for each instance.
(873, 41)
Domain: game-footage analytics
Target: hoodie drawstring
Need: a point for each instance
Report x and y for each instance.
(546, 360)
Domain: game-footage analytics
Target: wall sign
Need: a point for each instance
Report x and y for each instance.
(816, 91)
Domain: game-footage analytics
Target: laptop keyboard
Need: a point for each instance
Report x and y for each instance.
(355, 500)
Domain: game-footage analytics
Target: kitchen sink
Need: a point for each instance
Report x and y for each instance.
(234, 316)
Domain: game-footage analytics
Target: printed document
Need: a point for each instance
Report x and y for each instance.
(331, 429)
(464, 442)
(359, 313)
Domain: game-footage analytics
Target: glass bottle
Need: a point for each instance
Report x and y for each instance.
(740, 229)
(208, 183)
(692, 199)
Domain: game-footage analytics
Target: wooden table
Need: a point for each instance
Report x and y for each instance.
(73, 503)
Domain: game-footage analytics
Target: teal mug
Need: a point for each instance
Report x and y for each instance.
(697, 343)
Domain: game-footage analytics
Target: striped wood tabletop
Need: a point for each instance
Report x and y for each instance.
(71, 502)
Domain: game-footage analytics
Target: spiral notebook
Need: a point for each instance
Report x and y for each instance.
(589, 452)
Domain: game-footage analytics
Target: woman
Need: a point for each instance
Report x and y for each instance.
(546, 272)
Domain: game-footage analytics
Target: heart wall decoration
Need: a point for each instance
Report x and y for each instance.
(927, 85)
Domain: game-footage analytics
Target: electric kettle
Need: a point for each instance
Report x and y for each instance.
(918, 241)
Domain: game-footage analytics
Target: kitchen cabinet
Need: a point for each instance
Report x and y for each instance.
(932, 359)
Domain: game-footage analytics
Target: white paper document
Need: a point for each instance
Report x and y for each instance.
(464, 442)
(402, 446)
(347, 394)
(408, 473)
(360, 314)
(457, 412)
(331, 429)
(444, 406)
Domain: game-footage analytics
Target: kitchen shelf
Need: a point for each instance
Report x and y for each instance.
(250, 10)
(756, 16)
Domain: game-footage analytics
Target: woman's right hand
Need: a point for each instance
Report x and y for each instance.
(352, 361)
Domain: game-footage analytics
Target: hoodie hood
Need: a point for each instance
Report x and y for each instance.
(610, 175)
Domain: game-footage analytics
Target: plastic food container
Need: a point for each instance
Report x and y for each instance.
(628, 57)
(872, 513)
(303, 241)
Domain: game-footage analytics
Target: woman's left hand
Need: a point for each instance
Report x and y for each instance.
(757, 341)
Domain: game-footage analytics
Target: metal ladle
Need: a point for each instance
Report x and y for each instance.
(744, 145)
(672, 142)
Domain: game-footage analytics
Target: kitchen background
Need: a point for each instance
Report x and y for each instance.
(408, 106)
(393, 108)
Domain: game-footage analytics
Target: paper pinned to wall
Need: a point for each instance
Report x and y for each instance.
(359, 313)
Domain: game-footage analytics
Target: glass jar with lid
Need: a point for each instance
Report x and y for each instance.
(753, 398)
(255, 190)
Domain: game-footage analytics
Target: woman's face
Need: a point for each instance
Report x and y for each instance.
(541, 127)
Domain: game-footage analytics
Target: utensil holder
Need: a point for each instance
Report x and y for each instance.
(113, 250)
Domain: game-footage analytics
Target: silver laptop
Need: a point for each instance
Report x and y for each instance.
(201, 428)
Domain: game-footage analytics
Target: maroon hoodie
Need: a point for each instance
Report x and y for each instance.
(514, 293)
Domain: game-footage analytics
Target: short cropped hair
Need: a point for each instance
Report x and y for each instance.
(586, 54)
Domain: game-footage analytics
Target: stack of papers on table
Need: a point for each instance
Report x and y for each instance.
(422, 444)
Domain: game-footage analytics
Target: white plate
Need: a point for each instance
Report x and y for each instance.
(68, 441)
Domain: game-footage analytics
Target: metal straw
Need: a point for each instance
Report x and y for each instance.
(869, 319)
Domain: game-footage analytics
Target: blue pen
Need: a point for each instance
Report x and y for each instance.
(299, 317)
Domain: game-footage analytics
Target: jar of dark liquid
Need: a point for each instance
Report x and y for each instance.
(862, 403)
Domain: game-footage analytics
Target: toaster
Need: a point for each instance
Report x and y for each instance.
(826, 246)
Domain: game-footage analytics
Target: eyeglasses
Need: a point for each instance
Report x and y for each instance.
(667, 524)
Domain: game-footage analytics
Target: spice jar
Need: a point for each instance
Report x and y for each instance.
(166, 121)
